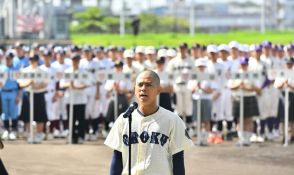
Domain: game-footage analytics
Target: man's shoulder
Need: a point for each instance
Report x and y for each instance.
(169, 115)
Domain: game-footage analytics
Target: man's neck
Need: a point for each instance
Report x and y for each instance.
(148, 110)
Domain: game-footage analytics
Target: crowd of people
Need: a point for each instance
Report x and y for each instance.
(97, 104)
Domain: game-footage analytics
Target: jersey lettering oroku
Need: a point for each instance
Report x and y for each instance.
(144, 137)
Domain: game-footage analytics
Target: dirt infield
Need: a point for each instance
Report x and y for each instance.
(57, 158)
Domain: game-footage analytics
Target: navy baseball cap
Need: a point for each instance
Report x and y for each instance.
(34, 57)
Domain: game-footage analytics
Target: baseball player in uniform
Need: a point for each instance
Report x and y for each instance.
(226, 94)
(10, 97)
(158, 138)
(214, 67)
(140, 59)
(51, 95)
(89, 64)
(60, 65)
(182, 64)
(105, 64)
(150, 57)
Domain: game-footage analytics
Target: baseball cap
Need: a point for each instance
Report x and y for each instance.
(255, 48)
(75, 57)
(287, 47)
(18, 45)
(183, 45)
(266, 44)
(9, 54)
(171, 53)
(86, 48)
(59, 50)
(196, 46)
(34, 57)
(140, 49)
(99, 49)
(161, 53)
(244, 48)
(212, 48)
(46, 52)
(244, 60)
(200, 62)
(289, 60)
(160, 60)
(224, 47)
(234, 44)
(128, 53)
(150, 50)
(118, 64)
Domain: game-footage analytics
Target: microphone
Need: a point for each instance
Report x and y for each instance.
(130, 109)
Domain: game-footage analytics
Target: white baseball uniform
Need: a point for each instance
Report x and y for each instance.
(60, 109)
(51, 90)
(102, 103)
(155, 138)
(91, 66)
(226, 96)
(214, 68)
(176, 66)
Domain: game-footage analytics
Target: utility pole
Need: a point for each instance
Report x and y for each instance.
(122, 19)
(262, 17)
(192, 18)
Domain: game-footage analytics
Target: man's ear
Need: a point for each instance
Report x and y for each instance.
(159, 89)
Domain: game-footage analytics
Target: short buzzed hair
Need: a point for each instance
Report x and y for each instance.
(153, 74)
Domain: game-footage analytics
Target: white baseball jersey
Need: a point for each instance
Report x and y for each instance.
(60, 106)
(51, 89)
(184, 106)
(155, 138)
(91, 66)
(215, 68)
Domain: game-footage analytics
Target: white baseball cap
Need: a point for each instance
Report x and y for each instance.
(171, 53)
(150, 50)
(244, 48)
(200, 62)
(212, 48)
(128, 53)
(161, 53)
(140, 49)
(234, 44)
(224, 47)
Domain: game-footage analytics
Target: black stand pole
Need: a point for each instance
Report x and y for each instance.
(130, 145)
(128, 114)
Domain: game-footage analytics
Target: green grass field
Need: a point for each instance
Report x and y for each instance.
(173, 39)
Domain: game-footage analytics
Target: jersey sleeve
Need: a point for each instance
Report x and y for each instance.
(114, 139)
(179, 138)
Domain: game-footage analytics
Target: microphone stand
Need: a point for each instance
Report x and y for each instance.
(130, 146)
(128, 114)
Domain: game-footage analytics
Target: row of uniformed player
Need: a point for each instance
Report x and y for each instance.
(165, 61)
